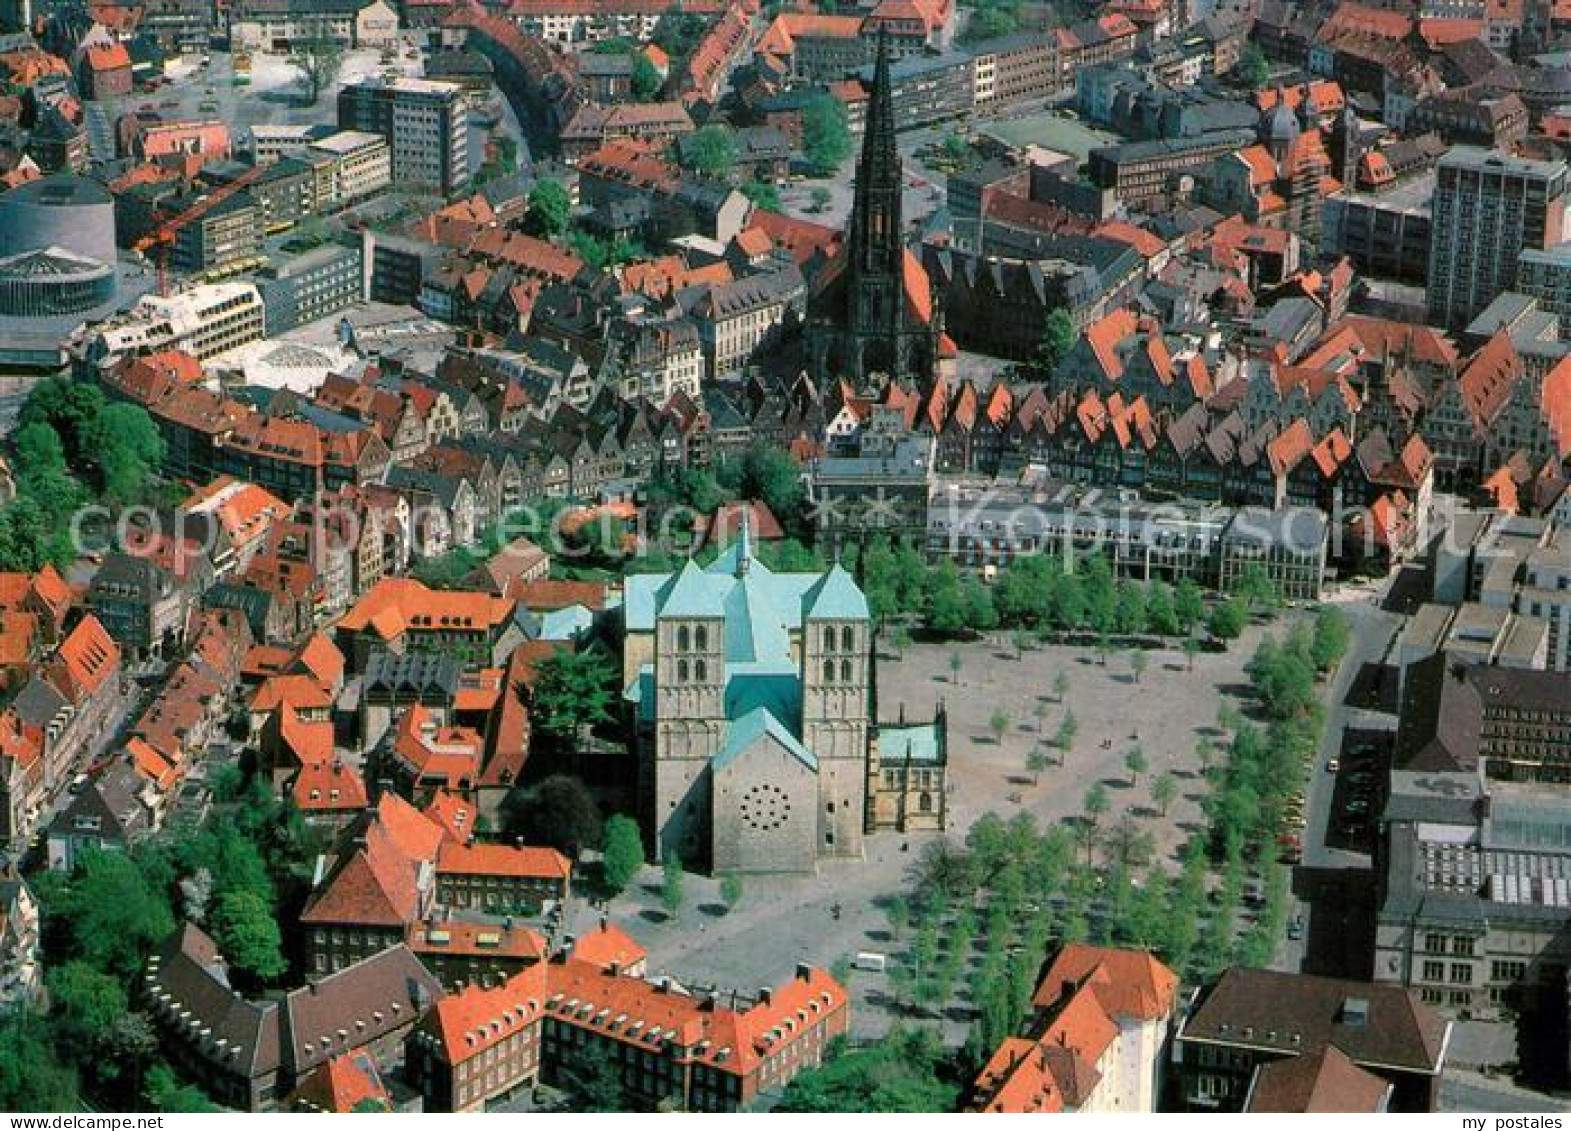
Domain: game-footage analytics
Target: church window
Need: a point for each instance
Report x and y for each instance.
(765, 807)
(681, 671)
(829, 640)
(701, 638)
(845, 671)
(683, 642)
(700, 670)
(925, 803)
(829, 671)
(847, 639)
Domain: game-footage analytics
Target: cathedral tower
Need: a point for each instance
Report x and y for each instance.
(870, 321)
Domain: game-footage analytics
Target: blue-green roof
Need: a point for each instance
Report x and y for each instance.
(744, 733)
(836, 596)
(755, 631)
(691, 593)
(914, 744)
(778, 692)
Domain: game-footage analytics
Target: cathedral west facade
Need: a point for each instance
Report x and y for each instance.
(752, 695)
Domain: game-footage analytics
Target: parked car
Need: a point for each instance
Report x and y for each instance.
(1295, 928)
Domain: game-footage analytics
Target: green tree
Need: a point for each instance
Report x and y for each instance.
(550, 210)
(1164, 791)
(763, 194)
(956, 663)
(768, 473)
(990, 22)
(826, 138)
(731, 889)
(646, 79)
(946, 607)
(710, 151)
(573, 690)
(70, 408)
(1036, 762)
(1068, 728)
(1136, 763)
(820, 197)
(671, 895)
(86, 1003)
(111, 914)
(1058, 338)
(1228, 619)
(1096, 804)
(1331, 638)
(1188, 605)
(32, 1075)
(592, 1083)
(623, 849)
(1191, 648)
(246, 930)
(1060, 686)
(1138, 662)
(998, 723)
(559, 813)
(318, 54)
(1254, 71)
(1129, 615)
(1161, 617)
(900, 1073)
(165, 1092)
(980, 615)
(899, 916)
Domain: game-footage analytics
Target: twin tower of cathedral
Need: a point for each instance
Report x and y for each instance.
(871, 316)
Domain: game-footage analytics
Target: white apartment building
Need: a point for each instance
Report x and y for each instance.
(202, 321)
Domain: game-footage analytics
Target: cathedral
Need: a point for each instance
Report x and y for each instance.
(871, 317)
(752, 696)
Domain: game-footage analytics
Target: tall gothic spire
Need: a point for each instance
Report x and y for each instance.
(876, 236)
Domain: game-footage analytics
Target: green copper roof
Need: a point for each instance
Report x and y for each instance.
(754, 628)
(918, 744)
(836, 596)
(745, 733)
(692, 593)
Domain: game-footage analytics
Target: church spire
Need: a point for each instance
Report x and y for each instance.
(876, 233)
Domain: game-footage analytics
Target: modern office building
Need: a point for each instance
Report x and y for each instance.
(1546, 275)
(1488, 209)
(425, 124)
(310, 286)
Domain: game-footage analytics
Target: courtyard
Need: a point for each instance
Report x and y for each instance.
(832, 916)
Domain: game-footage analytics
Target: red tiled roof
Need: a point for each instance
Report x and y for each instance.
(502, 860)
(609, 946)
(328, 786)
(85, 660)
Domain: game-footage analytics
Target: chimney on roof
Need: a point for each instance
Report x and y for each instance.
(1355, 1012)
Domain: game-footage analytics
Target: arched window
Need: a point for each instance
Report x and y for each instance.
(829, 671)
(683, 643)
(700, 670)
(924, 803)
(701, 638)
(829, 639)
(681, 671)
(847, 639)
(845, 671)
